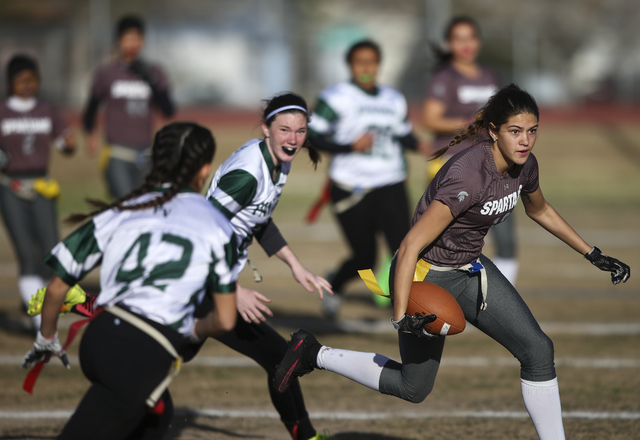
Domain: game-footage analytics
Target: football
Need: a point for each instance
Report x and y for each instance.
(427, 298)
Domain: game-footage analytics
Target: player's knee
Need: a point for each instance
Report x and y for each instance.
(418, 394)
(539, 359)
(415, 391)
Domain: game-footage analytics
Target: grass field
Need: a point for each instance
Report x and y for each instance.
(590, 175)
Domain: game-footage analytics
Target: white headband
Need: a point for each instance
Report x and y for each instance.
(286, 107)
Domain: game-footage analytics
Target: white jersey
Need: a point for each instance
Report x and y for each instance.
(245, 190)
(345, 112)
(156, 262)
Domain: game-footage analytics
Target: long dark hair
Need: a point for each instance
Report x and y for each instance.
(443, 56)
(284, 100)
(179, 151)
(509, 101)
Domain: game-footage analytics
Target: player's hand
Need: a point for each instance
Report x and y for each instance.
(310, 281)
(364, 143)
(619, 270)
(415, 325)
(42, 350)
(143, 70)
(250, 305)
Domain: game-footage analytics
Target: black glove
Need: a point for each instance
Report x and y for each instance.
(43, 349)
(415, 325)
(619, 270)
(143, 70)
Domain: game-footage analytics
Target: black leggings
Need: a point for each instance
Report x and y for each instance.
(507, 320)
(383, 209)
(264, 345)
(32, 227)
(124, 366)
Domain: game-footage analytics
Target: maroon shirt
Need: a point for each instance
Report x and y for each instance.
(128, 116)
(478, 196)
(26, 138)
(462, 96)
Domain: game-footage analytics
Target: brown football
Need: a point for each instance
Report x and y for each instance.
(427, 298)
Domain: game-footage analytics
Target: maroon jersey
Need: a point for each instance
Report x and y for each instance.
(26, 137)
(462, 96)
(478, 196)
(128, 116)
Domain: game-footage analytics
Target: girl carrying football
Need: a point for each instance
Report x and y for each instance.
(474, 190)
(163, 249)
(27, 195)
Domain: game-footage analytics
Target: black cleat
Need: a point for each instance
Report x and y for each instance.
(299, 359)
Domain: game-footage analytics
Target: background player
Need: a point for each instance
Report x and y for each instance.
(472, 191)
(27, 194)
(457, 90)
(161, 252)
(246, 188)
(365, 127)
(130, 88)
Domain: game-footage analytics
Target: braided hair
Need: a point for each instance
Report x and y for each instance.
(179, 151)
(509, 101)
(284, 100)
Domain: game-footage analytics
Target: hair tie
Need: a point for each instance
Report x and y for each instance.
(286, 107)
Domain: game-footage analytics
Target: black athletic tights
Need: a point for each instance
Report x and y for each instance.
(124, 366)
(384, 209)
(264, 345)
(259, 342)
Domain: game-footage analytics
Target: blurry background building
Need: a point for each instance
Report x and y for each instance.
(230, 52)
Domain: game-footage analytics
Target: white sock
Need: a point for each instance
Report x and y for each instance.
(364, 368)
(29, 285)
(508, 267)
(542, 400)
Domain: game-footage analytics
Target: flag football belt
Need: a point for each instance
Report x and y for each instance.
(356, 196)
(28, 189)
(125, 154)
(162, 340)
(421, 271)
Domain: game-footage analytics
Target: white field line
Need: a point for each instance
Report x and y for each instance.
(345, 415)
(245, 362)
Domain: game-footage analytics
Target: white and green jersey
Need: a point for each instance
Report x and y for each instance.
(156, 262)
(345, 112)
(244, 189)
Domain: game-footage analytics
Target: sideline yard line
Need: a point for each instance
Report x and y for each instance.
(344, 415)
(245, 362)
